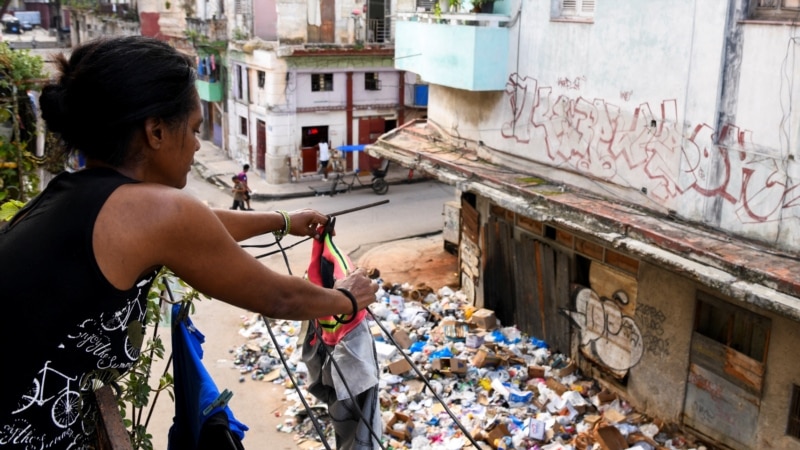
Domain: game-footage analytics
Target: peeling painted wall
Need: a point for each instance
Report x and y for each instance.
(635, 99)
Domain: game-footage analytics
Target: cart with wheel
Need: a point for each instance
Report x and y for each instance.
(341, 181)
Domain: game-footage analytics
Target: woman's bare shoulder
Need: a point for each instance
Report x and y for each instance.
(145, 225)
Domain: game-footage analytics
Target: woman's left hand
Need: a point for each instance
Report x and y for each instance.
(306, 222)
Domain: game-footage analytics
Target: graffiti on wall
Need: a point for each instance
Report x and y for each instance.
(651, 321)
(648, 145)
(608, 336)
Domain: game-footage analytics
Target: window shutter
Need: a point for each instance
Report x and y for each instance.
(587, 7)
(569, 6)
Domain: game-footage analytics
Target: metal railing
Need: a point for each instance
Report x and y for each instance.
(379, 30)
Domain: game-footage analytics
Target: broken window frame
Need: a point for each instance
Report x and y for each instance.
(739, 329)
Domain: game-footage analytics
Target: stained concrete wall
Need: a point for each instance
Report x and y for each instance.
(664, 315)
(633, 104)
(782, 372)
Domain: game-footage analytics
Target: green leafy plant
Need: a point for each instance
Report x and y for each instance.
(9, 208)
(19, 72)
(239, 34)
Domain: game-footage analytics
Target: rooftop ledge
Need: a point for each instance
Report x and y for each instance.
(466, 18)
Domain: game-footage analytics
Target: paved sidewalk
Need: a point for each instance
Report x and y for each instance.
(215, 166)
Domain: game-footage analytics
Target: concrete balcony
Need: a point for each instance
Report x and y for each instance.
(459, 50)
(210, 91)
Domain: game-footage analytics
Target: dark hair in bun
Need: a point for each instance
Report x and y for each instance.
(107, 89)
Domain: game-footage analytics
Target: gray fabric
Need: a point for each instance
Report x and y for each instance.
(356, 359)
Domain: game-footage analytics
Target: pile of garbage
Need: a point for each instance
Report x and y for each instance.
(499, 389)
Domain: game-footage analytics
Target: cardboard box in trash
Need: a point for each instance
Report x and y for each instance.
(401, 426)
(484, 318)
(399, 367)
(449, 365)
(610, 438)
(402, 338)
(496, 435)
(483, 358)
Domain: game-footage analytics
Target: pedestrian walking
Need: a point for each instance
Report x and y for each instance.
(238, 191)
(80, 258)
(324, 157)
(243, 178)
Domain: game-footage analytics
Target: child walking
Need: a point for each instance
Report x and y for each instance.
(238, 193)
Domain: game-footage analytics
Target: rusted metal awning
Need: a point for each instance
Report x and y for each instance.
(753, 274)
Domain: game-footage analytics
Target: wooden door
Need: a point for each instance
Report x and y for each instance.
(527, 283)
(327, 30)
(369, 130)
(261, 145)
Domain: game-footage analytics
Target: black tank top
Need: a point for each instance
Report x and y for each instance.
(64, 327)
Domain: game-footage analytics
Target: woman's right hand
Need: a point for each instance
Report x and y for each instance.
(362, 288)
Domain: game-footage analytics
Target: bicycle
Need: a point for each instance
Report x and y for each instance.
(66, 407)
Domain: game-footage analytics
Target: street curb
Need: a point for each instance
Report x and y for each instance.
(215, 179)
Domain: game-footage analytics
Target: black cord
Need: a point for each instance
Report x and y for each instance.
(318, 334)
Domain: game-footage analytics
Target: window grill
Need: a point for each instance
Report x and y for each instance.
(321, 82)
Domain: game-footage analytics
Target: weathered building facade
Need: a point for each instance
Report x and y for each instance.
(627, 177)
(304, 72)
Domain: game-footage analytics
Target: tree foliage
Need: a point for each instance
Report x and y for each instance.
(20, 72)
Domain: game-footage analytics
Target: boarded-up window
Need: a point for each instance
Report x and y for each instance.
(737, 328)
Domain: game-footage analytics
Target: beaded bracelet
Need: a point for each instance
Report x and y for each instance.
(355, 306)
(287, 225)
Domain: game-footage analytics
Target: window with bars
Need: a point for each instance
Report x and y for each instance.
(372, 82)
(793, 426)
(241, 6)
(262, 77)
(577, 8)
(243, 126)
(321, 82)
(776, 10)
